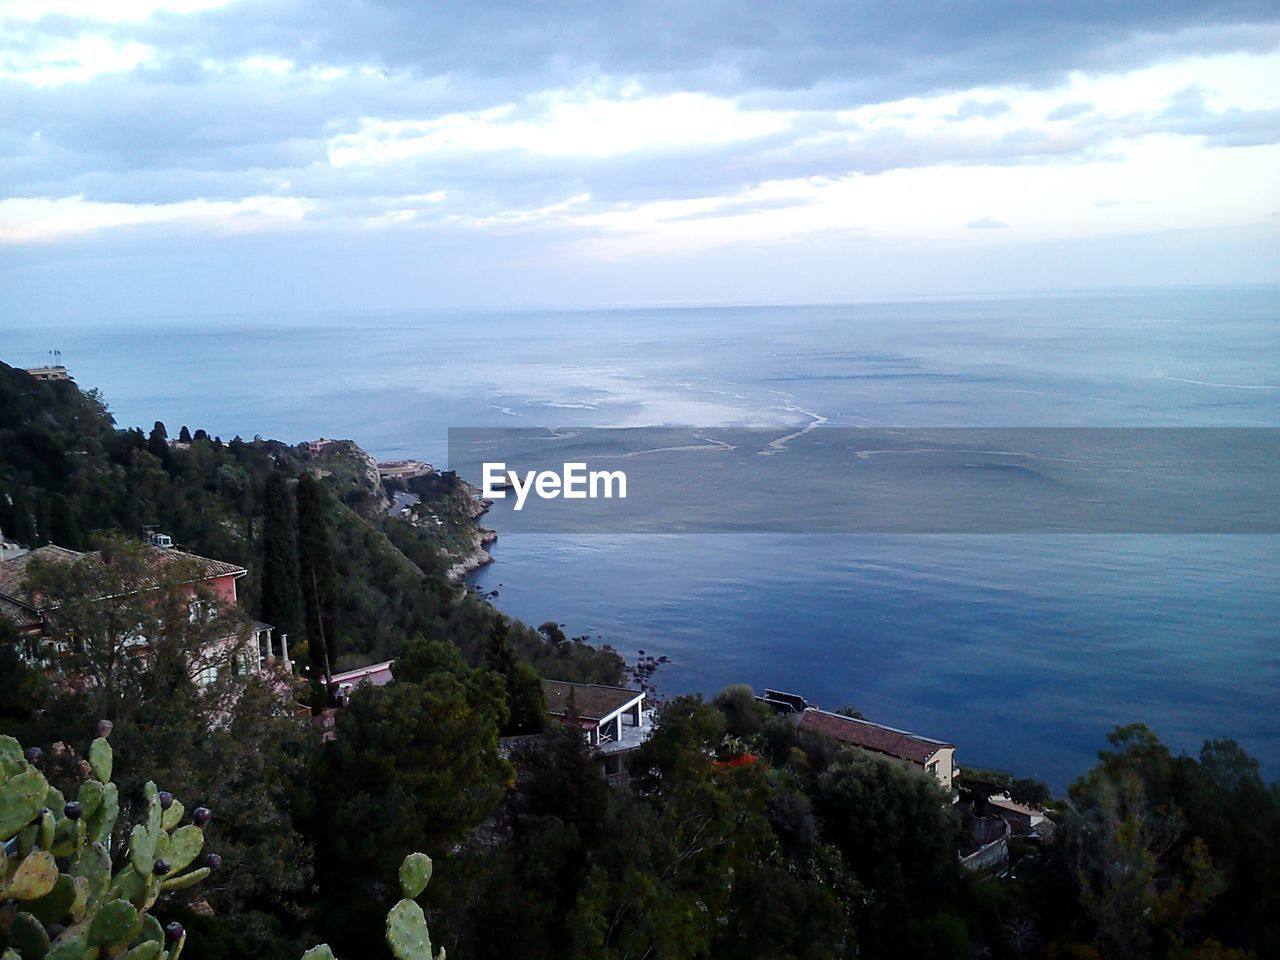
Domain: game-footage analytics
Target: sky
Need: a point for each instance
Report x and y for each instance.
(167, 157)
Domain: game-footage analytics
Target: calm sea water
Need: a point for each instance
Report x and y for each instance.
(1023, 650)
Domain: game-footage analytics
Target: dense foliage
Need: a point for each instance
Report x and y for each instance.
(735, 835)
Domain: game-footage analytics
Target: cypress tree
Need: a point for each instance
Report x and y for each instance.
(184, 435)
(319, 576)
(65, 524)
(19, 525)
(282, 604)
(158, 442)
(158, 445)
(44, 519)
(527, 709)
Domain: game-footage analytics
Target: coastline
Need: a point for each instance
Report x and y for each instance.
(477, 558)
(481, 539)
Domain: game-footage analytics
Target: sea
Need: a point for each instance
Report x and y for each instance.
(1023, 649)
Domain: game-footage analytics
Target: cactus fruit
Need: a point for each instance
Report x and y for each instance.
(104, 728)
(32, 755)
(58, 898)
(59, 892)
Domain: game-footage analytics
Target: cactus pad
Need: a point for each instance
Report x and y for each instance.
(101, 759)
(35, 877)
(407, 934)
(185, 845)
(415, 874)
(184, 881)
(21, 799)
(114, 922)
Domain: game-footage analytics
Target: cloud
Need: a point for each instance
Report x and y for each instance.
(44, 220)
(979, 108)
(611, 132)
(1069, 110)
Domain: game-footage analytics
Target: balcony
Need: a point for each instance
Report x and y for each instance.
(620, 736)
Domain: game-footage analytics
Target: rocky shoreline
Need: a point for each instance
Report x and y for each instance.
(481, 538)
(477, 558)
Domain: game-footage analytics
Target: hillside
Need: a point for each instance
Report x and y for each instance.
(68, 475)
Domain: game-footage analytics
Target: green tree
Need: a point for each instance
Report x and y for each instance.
(415, 766)
(319, 576)
(1174, 855)
(127, 616)
(158, 446)
(527, 710)
(282, 604)
(898, 833)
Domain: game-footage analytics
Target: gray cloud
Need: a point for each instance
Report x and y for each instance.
(894, 49)
(174, 130)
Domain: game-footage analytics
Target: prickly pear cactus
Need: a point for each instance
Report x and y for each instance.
(407, 933)
(59, 899)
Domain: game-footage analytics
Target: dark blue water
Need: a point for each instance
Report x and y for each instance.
(1023, 650)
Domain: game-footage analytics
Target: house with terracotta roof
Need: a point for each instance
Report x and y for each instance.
(934, 757)
(30, 614)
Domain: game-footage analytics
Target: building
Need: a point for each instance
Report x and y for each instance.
(376, 675)
(613, 719)
(30, 615)
(54, 372)
(781, 702)
(403, 469)
(1024, 821)
(934, 757)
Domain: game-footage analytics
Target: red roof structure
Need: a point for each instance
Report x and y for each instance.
(871, 736)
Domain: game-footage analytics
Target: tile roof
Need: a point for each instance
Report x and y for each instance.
(13, 578)
(592, 701)
(19, 614)
(1004, 803)
(871, 736)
